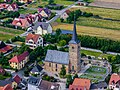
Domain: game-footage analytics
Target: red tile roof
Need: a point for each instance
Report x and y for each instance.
(67, 11)
(22, 22)
(17, 79)
(114, 78)
(14, 5)
(5, 49)
(34, 37)
(6, 87)
(80, 84)
(19, 58)
(3, 5)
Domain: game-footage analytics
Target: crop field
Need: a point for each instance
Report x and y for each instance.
(103, 12)
(92, 31)
(6, 33)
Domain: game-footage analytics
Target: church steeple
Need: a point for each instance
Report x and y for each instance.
(74, 39)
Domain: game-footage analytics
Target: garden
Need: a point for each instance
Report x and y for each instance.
(94, 73)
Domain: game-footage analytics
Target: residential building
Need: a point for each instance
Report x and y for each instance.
(65, 15)
(2, 71)
(45, 12)
(114, 82)
(5, 49)
(19, 61)
(99, 86)
(14, 81)
(71, 60)
(33, 18)
(3, 6)
(42, 28)
(26, 1)
(37, 69)
(80, 84)
(21, 22)
(12, 7)
(35, 83)
(34, 40)
(6, 87)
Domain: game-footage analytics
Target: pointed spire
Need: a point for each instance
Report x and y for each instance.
(74, 36)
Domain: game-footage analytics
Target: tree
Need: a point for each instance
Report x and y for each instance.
(50, 1)
(63, 71)
(62, 43)
(61, 19)
(75, 76)
(69, 81)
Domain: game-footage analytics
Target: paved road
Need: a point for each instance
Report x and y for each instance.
(96, 50)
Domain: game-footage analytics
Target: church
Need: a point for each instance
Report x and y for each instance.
(71, 60)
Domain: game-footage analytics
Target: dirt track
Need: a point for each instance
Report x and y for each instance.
(107, 3)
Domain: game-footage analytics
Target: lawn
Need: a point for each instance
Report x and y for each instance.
(7, 33)
(64, 2)
(96, 70)
(94, 73)
(100, 23)
(96, 54)
(93, 22)
(103, 12)
(26, 11)
(92, 31)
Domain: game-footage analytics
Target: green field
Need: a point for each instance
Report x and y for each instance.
(96, 54)
(7, 33)
(92, 22)
(100, 23)
(26, 11)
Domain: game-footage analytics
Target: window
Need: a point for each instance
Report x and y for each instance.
(56, 69)
(72, 68)
(56, 65)
(72, 47)
(49, 64)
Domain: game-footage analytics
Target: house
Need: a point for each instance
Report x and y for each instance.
(34, 40)
(21, 22)
(19, 61)
(12, 7)
(14, 81)
(65, 15)
(5, 49)
(114, 82)
(80, 84)
(3, 6)
(6, 87)
(33, 18)
(2, 71)
(35, 83)
(99, 86)
(22, 85)
(42, 28)
(7, 1)
(45, 12)
(26, 1)
(54, 59)
(37, 69)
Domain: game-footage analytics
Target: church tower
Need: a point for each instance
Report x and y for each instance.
(74, 52)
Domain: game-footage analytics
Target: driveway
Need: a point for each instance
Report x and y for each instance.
(115, 4)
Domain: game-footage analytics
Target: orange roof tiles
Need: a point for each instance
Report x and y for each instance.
(34, 37)
(6, 87)
(114, 78)
(80, 84)
(19, 58)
